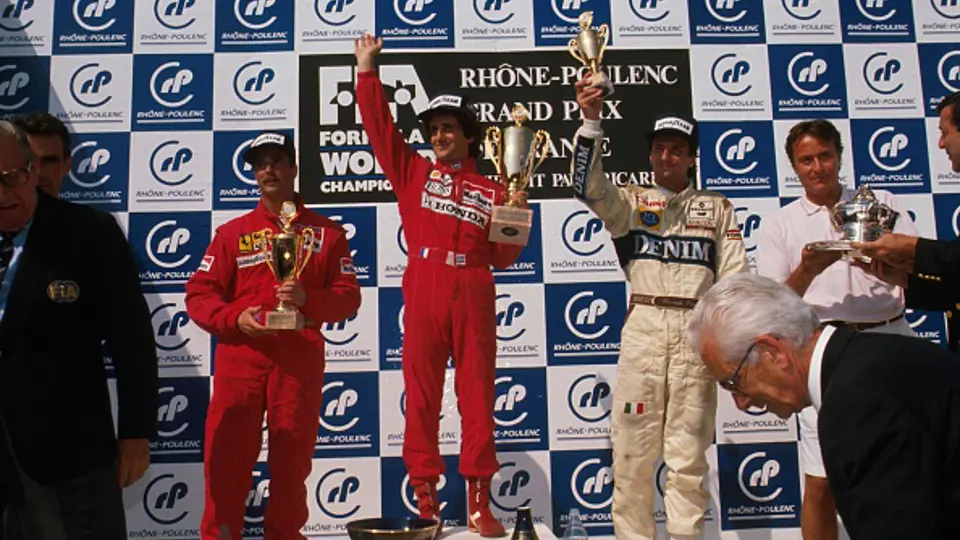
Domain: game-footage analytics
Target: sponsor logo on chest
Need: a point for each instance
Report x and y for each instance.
(674, 249)
(439, 184)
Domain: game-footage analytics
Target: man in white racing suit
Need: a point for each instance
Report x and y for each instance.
(673, 242)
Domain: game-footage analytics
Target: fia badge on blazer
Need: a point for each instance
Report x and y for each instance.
(63, 291)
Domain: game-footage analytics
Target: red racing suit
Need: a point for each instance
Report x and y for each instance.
(280, 374)
(448, 291)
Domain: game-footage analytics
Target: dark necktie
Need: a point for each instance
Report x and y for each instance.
(6, 252)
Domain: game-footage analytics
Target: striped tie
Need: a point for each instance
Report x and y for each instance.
(6, 252)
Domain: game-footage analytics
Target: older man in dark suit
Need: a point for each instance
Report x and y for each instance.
(68, 282)
(889, 429)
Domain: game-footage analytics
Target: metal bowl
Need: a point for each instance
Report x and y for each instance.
(406, 528)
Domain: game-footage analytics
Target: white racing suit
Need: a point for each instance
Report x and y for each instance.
(672, 249)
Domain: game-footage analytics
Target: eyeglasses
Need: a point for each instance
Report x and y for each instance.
(15, 178)
(730, 384)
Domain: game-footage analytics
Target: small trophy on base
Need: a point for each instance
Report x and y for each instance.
(524, 529)
(861, 219)
(287, 254)
(513, 151)
(588, 48)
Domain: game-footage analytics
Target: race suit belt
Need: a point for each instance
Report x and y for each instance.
(662, 301)
(860, 326)
(450, 258)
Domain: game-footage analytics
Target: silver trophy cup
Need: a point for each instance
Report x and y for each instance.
(588, 47)
(861, 219)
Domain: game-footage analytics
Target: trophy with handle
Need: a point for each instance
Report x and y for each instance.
(861, 219)
(287, 254)
(588, 47)
(513, 151)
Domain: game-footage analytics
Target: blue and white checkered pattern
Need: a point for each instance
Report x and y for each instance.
(163, 96)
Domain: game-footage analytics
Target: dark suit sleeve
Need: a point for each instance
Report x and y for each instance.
(932, 295)
(938, 258)
(882, 468)
(127, 329)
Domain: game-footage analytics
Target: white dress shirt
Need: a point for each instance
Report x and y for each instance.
(842, 292)
(816, 367)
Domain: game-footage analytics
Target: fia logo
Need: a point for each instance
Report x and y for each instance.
(879, 72)
(94, 15)
(13, 82)
(170, 83)
(87, 158)
(876, 10)
(254, 14)
(414, 12)
(590, 398)
(755, 475)
(509, 311)
(735, 152)
(948, 9)
(493, 11)
(507, 495)
(340, 333)
(334, 12)
(334, 417)
(748, 224)
(510, 394)
(729, 75)
(168, 414)
(592, 484)
(161, 499)
(651, 11)
(174, 14)
(251, 83)
(803, 10)
(163, 244)
(806, 72)
(12, 17)
(86, 85)
(167, 327)
(166, 162)
(583, 315)
(333, 494)
(887, 148)
(581, 233)
(725, 10)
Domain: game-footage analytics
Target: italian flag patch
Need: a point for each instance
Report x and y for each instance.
(632, 408)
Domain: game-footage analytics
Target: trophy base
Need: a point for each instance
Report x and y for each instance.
(601, 81)
(284, 320)
(511, 225)
(844, 246)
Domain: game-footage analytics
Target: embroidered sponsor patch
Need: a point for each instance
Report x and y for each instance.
(582, 159)
(251, 260)
(701, 215)
(654, 204)
(439, 184)
(478, 197)
(346, 266)
(649, 218)
(695, 250)
(63, 291)
(734, 234)
(258, 238)
(672, 122)
(245, 244)
(633, 408)
(452, 209)
(206, 264)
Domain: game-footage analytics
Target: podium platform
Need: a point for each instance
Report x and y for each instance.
(461, 533)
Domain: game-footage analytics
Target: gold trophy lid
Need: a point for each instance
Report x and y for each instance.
(288, 212)
(519, 114)
(585, 20)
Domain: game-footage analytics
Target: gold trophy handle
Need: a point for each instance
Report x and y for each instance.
(542, 145)
(574, 50)
(493, 139)
(267, 251)
(604, 34)
(307, 239)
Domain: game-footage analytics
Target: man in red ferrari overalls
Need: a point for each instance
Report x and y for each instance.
(258, 370)
(448, 287)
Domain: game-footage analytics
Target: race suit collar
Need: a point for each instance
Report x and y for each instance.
(468, 165)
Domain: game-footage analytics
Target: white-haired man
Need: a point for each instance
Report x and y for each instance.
(888, 428)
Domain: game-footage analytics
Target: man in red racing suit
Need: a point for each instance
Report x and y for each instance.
(259, 370)
(448, 287)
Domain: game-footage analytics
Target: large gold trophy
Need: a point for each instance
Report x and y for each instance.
(513, 151)
(588, 48)
(287, 254)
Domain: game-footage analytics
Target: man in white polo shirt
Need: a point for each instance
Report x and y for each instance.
(840, 293)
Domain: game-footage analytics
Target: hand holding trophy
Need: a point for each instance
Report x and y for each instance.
(287, 254)
(861, 219)
(513, 151)
(588, 48)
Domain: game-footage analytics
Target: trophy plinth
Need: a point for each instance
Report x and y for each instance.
(588, 47)
(861, 219)
(287, 254)
(514, 152)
